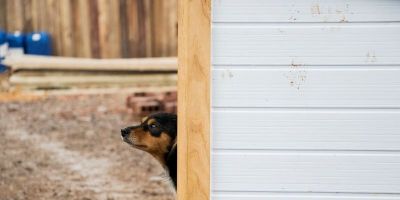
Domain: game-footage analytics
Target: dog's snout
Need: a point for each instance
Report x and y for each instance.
(125, 132)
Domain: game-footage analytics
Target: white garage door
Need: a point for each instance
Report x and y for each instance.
(306, 99)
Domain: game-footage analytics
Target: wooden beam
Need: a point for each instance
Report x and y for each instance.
(67, 28)
(19, 94)
(82, 34)
(94, 28)
(110, 41)
(147, 19)
(172, 28)
(64, 63)
(194, 99)
(15, 15)
(135, 44)
(3, 14)
(86, 81)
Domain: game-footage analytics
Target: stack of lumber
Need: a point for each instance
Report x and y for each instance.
(42, 72)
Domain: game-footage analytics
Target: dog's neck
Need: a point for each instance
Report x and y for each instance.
(161, 154)
(160, 157)
(168, 161)
(171, 163)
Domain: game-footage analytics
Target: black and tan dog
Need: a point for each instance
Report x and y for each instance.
(156, 135)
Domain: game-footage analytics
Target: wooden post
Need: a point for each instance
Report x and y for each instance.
(3, 14)
(194, 99)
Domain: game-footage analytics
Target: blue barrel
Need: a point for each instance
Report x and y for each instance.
(3, 37)
(15, 43)
(3, 49)
(38, 43)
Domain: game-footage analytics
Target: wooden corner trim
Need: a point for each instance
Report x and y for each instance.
(194, 44)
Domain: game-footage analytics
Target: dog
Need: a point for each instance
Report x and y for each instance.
(156, 135)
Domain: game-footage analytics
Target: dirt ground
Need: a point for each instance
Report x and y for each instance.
(69, 147)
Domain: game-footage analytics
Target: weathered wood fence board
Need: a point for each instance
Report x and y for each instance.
(98, 28)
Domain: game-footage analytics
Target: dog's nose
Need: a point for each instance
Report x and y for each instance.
(124, 132)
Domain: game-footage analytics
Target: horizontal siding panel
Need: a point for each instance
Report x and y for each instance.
(299, 44)
(301, 196)
(307, 130)
(306, 172)
(297, 86)
(306, 11)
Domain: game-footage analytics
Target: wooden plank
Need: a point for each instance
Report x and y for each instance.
(15, 15)
(43, 14)
(164, 28)
(88, 91)
(319, 129)
(172, 28)
(62, 81)
(66, 28)
(34, 15)
(306, 11)
(94, 29)
(366, 172)
(77, 25)
(342, 44)
(27, 6)
(86, 34)
(305, 87)
(160, 24)
(104, 30)
(133, 24)
(147, 19)
(115, 26)
(156, 27)
(194, 100)
(109, 40)
(54, 24)
(3, 14)
(142, 30)
(81, 24)
(63, 63)
(20, 15)
(124, 28)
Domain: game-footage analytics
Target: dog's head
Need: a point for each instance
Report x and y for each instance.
(156, 134)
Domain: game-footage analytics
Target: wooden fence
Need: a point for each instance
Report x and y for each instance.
(98, 28)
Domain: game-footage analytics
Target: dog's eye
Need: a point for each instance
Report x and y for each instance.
(153, 126)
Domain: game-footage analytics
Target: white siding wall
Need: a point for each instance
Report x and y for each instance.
(306, 99)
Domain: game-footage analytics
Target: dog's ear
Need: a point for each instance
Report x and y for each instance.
(174, 121)
(166, 118)
(174, 118)
(169, 121)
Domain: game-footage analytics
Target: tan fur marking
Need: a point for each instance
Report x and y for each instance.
(151, 121)
(156, 146)
(160, 147)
